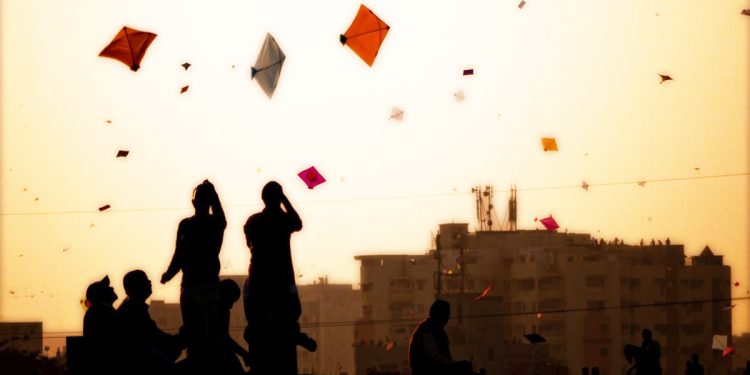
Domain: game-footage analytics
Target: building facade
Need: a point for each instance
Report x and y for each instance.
(587, 298)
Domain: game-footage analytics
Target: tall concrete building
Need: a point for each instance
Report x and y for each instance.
(587, 298)
(21, 336)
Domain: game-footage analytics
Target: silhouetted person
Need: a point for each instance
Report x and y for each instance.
(99, 328)
(145, 347)
(747, 368)
(650, 355)
(653, 242)
(633, 356)
(695, 367)
(595, 371)
(196, 254)
(229, 293)
(272, 305)
(667, 241)
(429, 348)
(585, 371)
(689, 368)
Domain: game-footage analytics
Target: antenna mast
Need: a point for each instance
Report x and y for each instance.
(485, 208)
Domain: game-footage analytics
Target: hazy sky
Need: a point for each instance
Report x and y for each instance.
(583, 71)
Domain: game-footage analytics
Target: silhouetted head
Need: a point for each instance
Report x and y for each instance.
(595, 371)
(440, 311)
(272, 194)
(201, 198)
(101, 292)
(229, 292)
(585, 371)
(695, 358)
(137, 285)
(631, 352)
(646, 334)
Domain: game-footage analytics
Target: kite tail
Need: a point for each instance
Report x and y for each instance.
(342, 39)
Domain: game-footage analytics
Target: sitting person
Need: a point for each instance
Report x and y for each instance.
(99, 328)
(429, 349)
(147, 349)
(229, 293)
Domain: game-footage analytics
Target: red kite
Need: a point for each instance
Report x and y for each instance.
(129, 47)
(365, 35)
(585, 186)
(184, 89)
(549, 223)
(745, 12)
(122, 154)
(727, 351)
(312, 177)
(484, 293)
(389, 346)
(186, 65)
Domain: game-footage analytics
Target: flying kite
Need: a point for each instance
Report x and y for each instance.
(664, 78)
(484, 293)
(745, 12)
(641, 183)
(365, 35)
(719, 342)
(727, 351)
(459, 95)
(729, 308)
(397, 114)
(535, 338)
(389, 346)
(129, 47)
(186, 65)
(184, 89)
(521, 4)
(311, 177)
(105, 207)
(267, 67)
(549, 223)
(122, 154)
(468, 72)
(585, 186)
(549, 144)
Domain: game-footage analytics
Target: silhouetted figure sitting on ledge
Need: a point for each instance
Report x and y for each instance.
(429, 349)
(633, 356)
(196, 254)
(145, 347)
(229, 293)
(99, 328)
(694, 366)
(272, 305)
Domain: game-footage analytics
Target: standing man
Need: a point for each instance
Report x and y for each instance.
(196, 254)
(272, 306)
(650, 354)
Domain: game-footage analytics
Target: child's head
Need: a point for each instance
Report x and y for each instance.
(229, 292)
(137, 285)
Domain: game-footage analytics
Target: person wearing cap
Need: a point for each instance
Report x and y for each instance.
(147, 349)
(429, 348)
(196, 254)
(99, 327)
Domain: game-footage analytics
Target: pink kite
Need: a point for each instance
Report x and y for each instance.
(727, 351)
(312, 177)
(549, 223)
(484, 293)
(468, 72)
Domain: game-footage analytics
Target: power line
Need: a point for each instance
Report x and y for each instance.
(63, 334)
(392, 197)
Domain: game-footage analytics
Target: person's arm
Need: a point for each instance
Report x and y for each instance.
(431, 349)
(216, 208)
(295, 222)
(177, 259)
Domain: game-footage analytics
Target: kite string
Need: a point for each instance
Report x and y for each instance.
(415, 196)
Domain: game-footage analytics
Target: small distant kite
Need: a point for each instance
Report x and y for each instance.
(104, 208)
(389, 346)
(745, 12)
(311, 177)
(549, 223)
(184, 89)
(484, 293)
(122, 154)
(549, 144)
(109, 121)
(664, 78)
(642, 183)
(521, 4)
(585, 186)
(459, 96)
(365, 35)
(186, 65)
(729, 308)
(129, 46)
(396, 114)
(737, 283)
(267, 69)
(468, 72)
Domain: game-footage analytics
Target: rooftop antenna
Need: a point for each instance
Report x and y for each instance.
(485, 208)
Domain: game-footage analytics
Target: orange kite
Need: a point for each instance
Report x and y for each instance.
(129, 47)
(365, 35)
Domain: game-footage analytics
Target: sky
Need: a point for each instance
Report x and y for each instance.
(583, 71)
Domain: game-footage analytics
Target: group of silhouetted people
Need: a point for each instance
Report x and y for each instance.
(128, 341)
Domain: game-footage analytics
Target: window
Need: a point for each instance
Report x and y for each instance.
(366, 287)
(595, 281)
(594, 305)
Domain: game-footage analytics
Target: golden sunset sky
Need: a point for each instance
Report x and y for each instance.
(583, 71)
